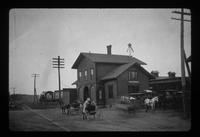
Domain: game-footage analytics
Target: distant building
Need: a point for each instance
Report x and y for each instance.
(105, 77)
(169, 83)
(171, 87)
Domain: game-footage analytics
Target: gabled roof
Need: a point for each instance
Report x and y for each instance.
(105, 58)
(116, 72)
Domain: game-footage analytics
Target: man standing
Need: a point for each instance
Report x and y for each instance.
(84, 108)
(147, 103)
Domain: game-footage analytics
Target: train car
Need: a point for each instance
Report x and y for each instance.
(68, 96)
(49, 95)
(46, 96)
(56, 95)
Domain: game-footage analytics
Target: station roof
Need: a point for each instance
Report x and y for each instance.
(106, 58)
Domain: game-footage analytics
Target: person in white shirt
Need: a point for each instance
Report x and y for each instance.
(84, 108)
(147, 103)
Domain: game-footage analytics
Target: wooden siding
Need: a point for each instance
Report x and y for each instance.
(114, 84)
(123, 81)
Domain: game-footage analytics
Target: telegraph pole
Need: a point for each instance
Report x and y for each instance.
(183, 82)
(35, 93)
(58, 63)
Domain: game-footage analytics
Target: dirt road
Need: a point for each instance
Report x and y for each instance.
(113, 120)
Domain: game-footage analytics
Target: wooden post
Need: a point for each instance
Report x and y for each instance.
(59, 77)
(182, 63)
(35, 99)
(183, 82)
(59, 62)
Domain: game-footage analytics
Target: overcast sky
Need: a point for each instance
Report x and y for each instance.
(38, 35)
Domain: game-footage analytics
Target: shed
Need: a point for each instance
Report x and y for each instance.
(69, 95)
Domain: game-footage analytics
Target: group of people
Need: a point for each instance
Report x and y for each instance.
(86, 108)
(89, 108)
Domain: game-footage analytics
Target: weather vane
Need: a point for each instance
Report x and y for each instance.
(130, 49)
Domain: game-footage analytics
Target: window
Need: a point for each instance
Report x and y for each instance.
(132, 76)
(133, 88)
(91, 73)
(85, 74)
(110, 91)
(79, 75)
(100, 94)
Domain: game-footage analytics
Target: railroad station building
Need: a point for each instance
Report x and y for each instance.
(106, 77)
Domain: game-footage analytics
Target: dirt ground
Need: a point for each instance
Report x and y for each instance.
(28, 121)
(106, 120)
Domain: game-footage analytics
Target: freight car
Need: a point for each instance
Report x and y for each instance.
(47, 96)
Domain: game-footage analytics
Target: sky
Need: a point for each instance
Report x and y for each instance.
(38, 35)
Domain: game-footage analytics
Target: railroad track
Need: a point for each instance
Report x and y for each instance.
(25, 107)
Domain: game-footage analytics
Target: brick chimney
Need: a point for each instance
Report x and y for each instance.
(109, 49)
(155, 73)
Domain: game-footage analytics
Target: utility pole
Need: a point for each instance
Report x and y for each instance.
(183, 82)
(35, 93)
(58, 63)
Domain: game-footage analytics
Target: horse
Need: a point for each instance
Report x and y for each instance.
(77, 106)
(63, 107)
(150, 103)
(153, 102)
